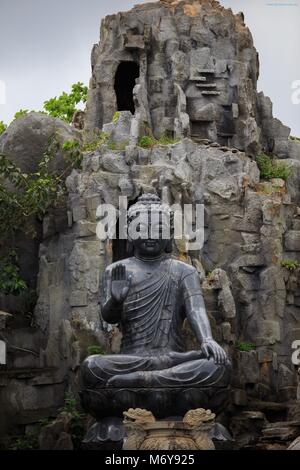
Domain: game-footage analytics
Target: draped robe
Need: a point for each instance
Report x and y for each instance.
(152, 351)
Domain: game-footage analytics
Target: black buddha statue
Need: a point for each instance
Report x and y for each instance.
(149, 295)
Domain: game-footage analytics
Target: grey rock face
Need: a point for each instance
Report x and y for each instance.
(245, 293)
(24, 143)
(187, 68)
(27, 138)
(250, 227)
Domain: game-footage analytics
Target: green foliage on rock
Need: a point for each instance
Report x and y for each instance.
(25, 198)
(244, 346)
(94, 349)
(73, 153)
(167, 140)
(3, 127)
(95, 141)
(10, 280)
(116, 117)
(148, 141)
(65, 105)
(117, 146)
(290, 264)
(272, 168)
(77, 424)
(21, 113)
(27, 442)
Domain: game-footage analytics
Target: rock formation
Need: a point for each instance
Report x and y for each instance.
(186, 69)
(195, 70)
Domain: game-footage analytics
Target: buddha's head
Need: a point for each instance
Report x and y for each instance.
(150, 226)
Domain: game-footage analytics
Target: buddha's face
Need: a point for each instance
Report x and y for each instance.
(150, 247)
(152, 241)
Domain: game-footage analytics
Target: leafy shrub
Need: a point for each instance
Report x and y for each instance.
(290, 264)
(272, 168)
(21, 113)
(77, 426)
(72, 153)
(26, 199)
(26, 442)
(3, 127)
(10, 280)
(96, 142)
(244, 346)
(147, 141)
(64, 106)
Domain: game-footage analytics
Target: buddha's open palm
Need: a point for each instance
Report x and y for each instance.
(120, 283)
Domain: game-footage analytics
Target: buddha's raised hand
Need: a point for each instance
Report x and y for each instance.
(120, 283)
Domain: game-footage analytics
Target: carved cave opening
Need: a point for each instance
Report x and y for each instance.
(200, 129)
(120, 249)
(125, 81)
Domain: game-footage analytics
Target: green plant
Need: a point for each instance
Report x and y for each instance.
(117, 146)
(116, 117)
(21, 113)
(77, 426)
(96, 141)
(70, 406)
(3, 127)
(272, 168)
(65, 105)
(26, 442)
(73, 153)
(95, 349)
(25, 200)
(244, 346)
(147, 141)
(10, 280)
(167, 140)
(290, 264)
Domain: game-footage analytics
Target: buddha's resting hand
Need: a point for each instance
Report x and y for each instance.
(120, 283)
(211, 348)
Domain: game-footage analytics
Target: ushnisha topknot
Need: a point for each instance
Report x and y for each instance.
(150, 203)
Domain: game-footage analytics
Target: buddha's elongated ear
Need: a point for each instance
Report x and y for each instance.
(169, 246)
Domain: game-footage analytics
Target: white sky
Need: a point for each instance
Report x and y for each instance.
(45, 46)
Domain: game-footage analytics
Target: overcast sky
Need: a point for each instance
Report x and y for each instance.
(45, 46)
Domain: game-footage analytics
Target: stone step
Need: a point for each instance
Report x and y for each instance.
(206, 71)
(206, 85)
(281, 431)
(210, 93)
(198, 79)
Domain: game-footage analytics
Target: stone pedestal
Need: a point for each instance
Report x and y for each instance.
(144, 432)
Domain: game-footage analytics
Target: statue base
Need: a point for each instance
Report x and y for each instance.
(163, 402)
(144, 432)
(107, 434)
